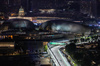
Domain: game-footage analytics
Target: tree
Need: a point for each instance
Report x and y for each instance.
(86, 61)
(70, 48)
(45, 48)
(78, 56)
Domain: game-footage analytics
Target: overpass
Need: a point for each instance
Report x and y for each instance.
(39, 19)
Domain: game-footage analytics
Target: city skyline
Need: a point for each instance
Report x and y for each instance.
(90, 7)
(50, 32)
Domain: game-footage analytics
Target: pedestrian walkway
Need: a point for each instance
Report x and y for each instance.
(45, 61)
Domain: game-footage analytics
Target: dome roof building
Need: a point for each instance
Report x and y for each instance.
(64, 26)
(21, 12)
(17, 24)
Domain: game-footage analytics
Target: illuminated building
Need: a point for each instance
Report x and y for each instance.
(1, 15)
(17, 24)
(7, 47)
(21, 12)
(90, 22)
(64, 26)
(98, 8)
(13, 5)
(49, 11)
(85, 6)
(27, 5)
(14, 2)
(89, 7)
(44, 4)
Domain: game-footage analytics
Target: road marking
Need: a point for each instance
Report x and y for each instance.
(63, 58)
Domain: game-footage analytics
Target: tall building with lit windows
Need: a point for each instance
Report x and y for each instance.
(34, 5)
(98, 8)
(13, 2)
(89, 7)
(26, 4)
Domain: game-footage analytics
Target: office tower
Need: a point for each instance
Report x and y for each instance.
(98, 8)
(27, 5)
(89, 7)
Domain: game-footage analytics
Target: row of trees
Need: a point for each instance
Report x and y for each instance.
(83, 57)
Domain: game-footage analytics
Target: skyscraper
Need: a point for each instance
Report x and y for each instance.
(98, 8)
(14, 2)
(27, 5)
(89, 7)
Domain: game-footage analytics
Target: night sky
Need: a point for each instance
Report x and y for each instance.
(14, 5)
